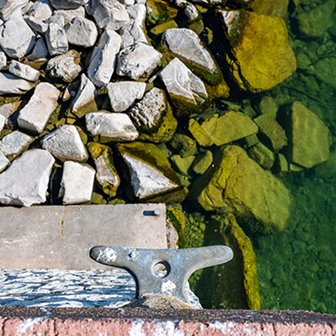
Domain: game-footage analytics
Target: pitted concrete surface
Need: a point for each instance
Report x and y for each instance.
(64, 288)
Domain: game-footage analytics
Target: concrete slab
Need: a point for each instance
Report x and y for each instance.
(60, 237)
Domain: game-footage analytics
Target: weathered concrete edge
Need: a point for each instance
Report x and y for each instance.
(36, 321)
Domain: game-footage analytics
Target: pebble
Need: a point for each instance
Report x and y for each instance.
(23, 71)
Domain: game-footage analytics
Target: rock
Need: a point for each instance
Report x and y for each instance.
(35, 115)
(68, 4)
(103, 58)
(56, 37)
(221, 130)
(161, 28)
(186, 90)
(325, 170)
(37, 15)
(325, 70)
(2, 122)
(7, 110)
(65, 67)
(16, 43)
(148, 113)
(69, 14)
(191, 12)
(106, 174)
(38, 26)
(318, 20)
(308, 137)
(65, 144)
(120, 101)
(281, 164)
(262, 155)
(23, 71)
(81, 32)
(137, 61)
(109, 14)
(25, 182)
(186, 45)
(270, 7)
(114, 126)
(40, 51)
(269, 106)
(202, 162)
(152, 178)
(77, 183)
(11, 8)
(261, 55)
(184, 145)
(239, 185)
(3, 60)
(10, 84)
(134, 32)
(273, 132)
(183, 164)
(14, 144)
(4, 162)
(84, 101)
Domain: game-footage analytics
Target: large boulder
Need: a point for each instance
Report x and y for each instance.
(239, 185)
(261, 56)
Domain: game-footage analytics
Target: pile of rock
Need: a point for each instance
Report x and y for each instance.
(95, 98)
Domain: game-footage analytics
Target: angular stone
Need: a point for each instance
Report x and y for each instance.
(309, 137)
(25, 182)
(77, 182)
(221, 130)
(120, 101)
(14, 144)
(56, 37)
(37, 15)
(184, 145)
(65, 67)
(148, 112)
(81, 32)
(261, 55)
(186, 45)
(7, 110)
(40, 51)
(2, 122)
(69, 14)
(84, 101)
(138, 60)
(10, 84)
(269, 106)
(184, 88)
(109, 14)
(23, 71)
(272, 131)
(114, 126)
(3, 60)
(11, 8)
(183, 164)
(38, 26)
(68, 4)
(4, 162)
(35, 115)
(16, 43)
(65, 144)
(262, 155)
(106, 173)
(239, 185)
(103, 58)
(202, 162)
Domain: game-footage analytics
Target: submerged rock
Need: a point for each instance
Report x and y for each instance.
(202, 162)
(32, 170)
(261, 56)
(239, 185)
(270, 7)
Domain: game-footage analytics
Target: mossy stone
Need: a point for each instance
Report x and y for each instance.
(270, 7)
(268, 105)
(183, 164)
(162, 27)
(184, 145)
(178, 219)
(97, 199)
(325, 70)
(202, 162)
(262, 155)
(159, 11)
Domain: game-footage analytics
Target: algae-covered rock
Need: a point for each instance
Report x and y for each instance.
(325, 70)
(159, 11)
(261, 56)
(308, 137)
(268, 105)
(184, 145)
(262, 155)
(239, 185)
(178, 219)
(106, 173)
(183, 164)
(202, 162)
(270, 7)
(316, 22)
(151, 175)
(220, 130)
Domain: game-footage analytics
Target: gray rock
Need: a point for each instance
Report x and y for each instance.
(185, 43)
(81, 32)
(23, 71)
(115, 126)
(65, 144)
(40, 51)
(134, 32)
(16, 43)
(25, 182)
(77, 183)
(3, 60)
(146, 181)
(7, 110)
(148, 113)
(103, 59)
(38, 26)
(120, 101)
(69, 14)
(68, 4)
(65, 67)
(2, 122)
(37, 15)
(4, 162)
(109, 14)
(35, 115)
(15, 143)
(10, 8)
(191, 12)
(56, 37)
(182, 84)
(138, 60)
(10, 84)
